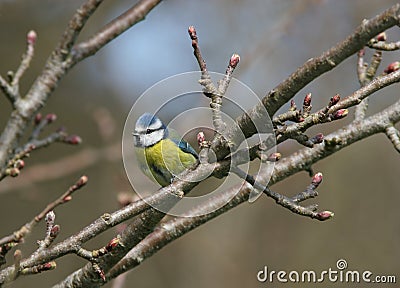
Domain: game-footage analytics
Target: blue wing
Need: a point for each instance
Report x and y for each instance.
(182, 144)
(185, 147)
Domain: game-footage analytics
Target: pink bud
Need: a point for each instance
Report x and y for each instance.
(392, 67)
(17, 255)
(50, 118)
(200, 137)
(307, 100)
(31, 37)
(67, 198)
(31, 148)
(317, 179)
(54, 231)
(73, 139)
(112, 244)
(20, 164)
(38, 118)
(340, 114)
(292, 105)
(234, 60)
(49, 266)
(125, 198)
(13, 172)
(335, 99)
(82, 181)
(325, 215)
(192, 30)
(192, 34)
(381, 36)
(274, 157)
(317, 139)
(102, 275)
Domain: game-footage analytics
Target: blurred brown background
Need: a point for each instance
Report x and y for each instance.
(273, 38)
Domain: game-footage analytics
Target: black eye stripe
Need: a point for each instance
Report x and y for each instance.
(148, 130)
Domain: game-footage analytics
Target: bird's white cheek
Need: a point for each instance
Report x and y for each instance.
(152, 138)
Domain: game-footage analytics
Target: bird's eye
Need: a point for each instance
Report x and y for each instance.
(148, 131)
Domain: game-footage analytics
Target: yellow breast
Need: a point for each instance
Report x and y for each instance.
(163, 161)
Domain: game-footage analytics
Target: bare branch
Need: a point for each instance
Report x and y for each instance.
(215, 93)
(365, 75)
(52, 231)
(113, 29)
(293, 164)
(134, 232)
(178, 226)
(373, 67)
(336, 141)
(18, 235)
(145, 235)
(338, 110)
(299, 161)
(76, 25)
(224, 83)
(7, 90)
(58, 65)
(11, 90)
(26, 60)
(196, 50)
(309, 71)
(39, 268)
(14, 165)
(286, 202)
(383, 46)
(361, 67)
(394, 136)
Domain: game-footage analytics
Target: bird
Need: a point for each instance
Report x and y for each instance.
(161, 153)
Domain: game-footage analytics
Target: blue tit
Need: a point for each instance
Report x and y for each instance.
(160, 152)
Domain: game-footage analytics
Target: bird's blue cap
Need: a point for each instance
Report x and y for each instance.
(147, 120)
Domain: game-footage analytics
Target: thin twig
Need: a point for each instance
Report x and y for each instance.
(383, 46)
(7, 90)
(76, 25)
(35, 144)
(113, 29)
(308, 72)
(177, 227)
(368, 74)
(11, 90)
(394, 136)
(286, 202)
(196, 49)
(334, 112)
(18, 235)
(26, 60)
(361, 67)
(209, 89)
(223, 84)
(62, 59)
(292, 164)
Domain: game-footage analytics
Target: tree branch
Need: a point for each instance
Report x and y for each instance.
(167, 232)
(59, 64)
(113, 29)
(323, 115)
(308, 72)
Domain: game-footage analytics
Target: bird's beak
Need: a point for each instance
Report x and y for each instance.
(136, 139)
